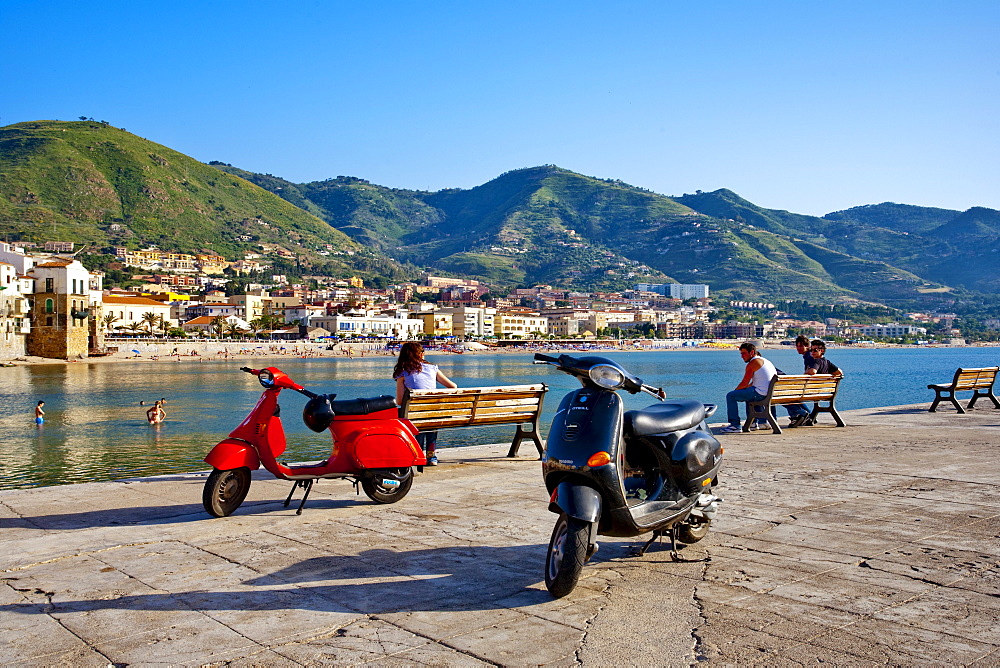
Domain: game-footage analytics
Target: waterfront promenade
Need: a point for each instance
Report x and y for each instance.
(876, 544)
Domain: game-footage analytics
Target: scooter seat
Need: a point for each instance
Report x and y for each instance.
(363, 406)
(664, 418)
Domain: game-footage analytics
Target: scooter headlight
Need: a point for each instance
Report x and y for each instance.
(266, 378)
(607, 376)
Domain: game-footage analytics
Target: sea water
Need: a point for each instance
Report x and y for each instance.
(95, 428)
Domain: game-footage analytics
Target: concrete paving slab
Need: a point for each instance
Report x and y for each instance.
(847, 546)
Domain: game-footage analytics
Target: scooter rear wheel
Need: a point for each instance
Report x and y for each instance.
(567, 554)
(225, 490)
(387, 485)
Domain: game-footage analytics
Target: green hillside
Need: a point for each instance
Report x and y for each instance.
(94, 184)
(892, 216)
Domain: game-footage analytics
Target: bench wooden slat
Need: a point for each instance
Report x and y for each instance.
(478, 406)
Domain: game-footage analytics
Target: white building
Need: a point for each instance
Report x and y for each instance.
(371, 323)
(130, 312)
(472, 321)
(521, 324)
(890, 330)
(15, 307)
(676, 290)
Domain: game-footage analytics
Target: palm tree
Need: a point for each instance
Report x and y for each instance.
(151, 319)
(233, 330)
(256, 325)
(109, 320)
(218, 325)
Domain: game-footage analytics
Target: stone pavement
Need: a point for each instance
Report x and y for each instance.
(876, 544)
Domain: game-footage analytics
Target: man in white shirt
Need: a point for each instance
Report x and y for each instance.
(753, 387)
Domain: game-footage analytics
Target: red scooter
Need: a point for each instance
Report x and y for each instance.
(371, 446)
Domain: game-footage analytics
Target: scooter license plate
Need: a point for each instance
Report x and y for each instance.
(389, 482)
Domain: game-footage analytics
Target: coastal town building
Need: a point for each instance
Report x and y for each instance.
(15, 307)
(371, 323)
(136, 314)
(471, 321)
(676, 290)
(66, 309)
(890, 331)
(521, 323)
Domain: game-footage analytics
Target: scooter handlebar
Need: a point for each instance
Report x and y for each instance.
(654, 391)
(247, 369)
(541, 358)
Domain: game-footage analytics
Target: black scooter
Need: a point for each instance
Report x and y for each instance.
(613, 472)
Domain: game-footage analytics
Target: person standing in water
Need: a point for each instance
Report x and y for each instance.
(39, 413)
(156, 414)
(413, 372)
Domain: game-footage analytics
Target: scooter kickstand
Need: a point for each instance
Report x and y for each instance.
(673, 544)
(308, 484)
(305, 484)
(642, 550)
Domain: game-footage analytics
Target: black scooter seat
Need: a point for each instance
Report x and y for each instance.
(664, 418)
(363, 406)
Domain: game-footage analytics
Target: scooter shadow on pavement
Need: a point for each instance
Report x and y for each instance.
(372, 582)
(168, 514)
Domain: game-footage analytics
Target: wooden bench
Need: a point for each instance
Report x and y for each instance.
(797, 389)
(479, 406)
(978, 381)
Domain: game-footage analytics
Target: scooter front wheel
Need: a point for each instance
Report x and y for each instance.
(567, 554)
(387, 485)
(225, 490)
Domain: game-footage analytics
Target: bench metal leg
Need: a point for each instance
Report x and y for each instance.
(522, 434)
(988, 394)
(831, 409)
(761, 411)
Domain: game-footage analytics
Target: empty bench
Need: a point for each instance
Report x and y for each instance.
(978, 381)
(818, 388)
(479, 406)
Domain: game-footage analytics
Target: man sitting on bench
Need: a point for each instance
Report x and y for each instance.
(820, 364)
(753, 387)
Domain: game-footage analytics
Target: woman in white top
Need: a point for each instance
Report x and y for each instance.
(753, 387)
(413, 372)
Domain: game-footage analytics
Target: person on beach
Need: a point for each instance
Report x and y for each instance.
(413, 372)
(39, 413)
(156, 414)
(756, 379)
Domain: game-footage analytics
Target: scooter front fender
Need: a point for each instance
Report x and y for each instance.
(233, 454)
(576, 500)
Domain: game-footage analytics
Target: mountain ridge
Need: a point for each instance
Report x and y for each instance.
(92, 183)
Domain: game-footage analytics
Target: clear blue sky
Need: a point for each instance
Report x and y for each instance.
(805, 106)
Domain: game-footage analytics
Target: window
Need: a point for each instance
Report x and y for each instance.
(49, 284)
(49, 304)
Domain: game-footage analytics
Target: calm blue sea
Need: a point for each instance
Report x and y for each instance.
(96, 430)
